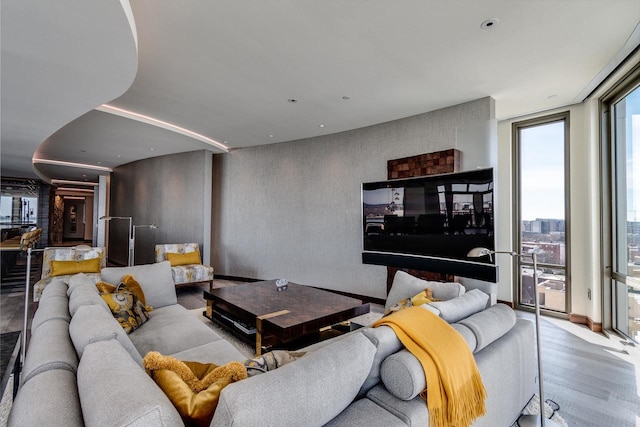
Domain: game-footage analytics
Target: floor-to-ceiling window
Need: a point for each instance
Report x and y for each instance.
(622, 112)
(541, 166)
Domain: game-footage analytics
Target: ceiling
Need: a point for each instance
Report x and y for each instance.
(230, 70)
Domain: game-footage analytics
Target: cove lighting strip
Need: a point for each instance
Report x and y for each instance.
(106, 108)
(71, 165)
(79, 190)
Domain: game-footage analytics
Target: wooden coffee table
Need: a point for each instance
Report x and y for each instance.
(279, 318)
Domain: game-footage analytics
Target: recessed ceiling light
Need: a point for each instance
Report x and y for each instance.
(152, 149)
(320, 126)
(271, 135)
(489, 23)
(99, 163)
(292, 100)
(119, 155)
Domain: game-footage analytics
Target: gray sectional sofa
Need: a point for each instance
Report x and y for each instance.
(82, 369)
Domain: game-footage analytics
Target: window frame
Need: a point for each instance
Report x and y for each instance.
(623, 87)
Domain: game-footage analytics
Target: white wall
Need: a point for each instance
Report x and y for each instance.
(293, 209)
(584, 220)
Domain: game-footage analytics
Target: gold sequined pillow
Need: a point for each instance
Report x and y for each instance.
(126, 308)
(130, 283)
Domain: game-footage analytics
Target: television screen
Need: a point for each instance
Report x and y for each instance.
(427, 219)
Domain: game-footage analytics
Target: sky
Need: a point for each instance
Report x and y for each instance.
(542, 171)
(632, 140)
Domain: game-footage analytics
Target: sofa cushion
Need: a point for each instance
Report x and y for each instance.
(326, 381)
(116, 391)
(365, 413)
(55, 287)
(51, 307)
(156, 281)
(85, 295)
(170, 330)
(51, 395)
(402, 375)
(412, 412)
(81, 279)
(92, 323)
(50, 348)
(463, 306)
(490, 324)
(406, 286)
(218, 351)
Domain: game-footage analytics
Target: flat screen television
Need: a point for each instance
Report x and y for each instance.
(431, 223)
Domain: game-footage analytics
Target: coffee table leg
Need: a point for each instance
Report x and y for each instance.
(258, 336)
(209, 309)
(259, 320)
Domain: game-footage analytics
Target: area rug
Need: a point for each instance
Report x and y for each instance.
(533, 408)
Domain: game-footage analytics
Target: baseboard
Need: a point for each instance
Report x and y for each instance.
(235, 278)
(585, 320)
(509, 303)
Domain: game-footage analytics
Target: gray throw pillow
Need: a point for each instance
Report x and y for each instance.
(156, 281)
(457, 309)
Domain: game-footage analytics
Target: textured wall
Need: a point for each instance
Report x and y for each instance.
(293, 209)
(173, 192)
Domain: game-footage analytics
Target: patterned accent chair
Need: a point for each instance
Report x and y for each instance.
(186, 274)
(76, 253)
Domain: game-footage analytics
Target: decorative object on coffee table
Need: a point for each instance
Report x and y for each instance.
(526, 420)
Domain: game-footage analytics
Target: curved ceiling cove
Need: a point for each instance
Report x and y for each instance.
(86, 86)
(60, 60)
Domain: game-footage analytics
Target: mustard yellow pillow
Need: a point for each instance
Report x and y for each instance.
(63, 268)
(130, 283)
(193, 388)
(183, 259)
(424, 297)
(126, 308)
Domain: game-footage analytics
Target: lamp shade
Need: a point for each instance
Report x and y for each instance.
(479, 252)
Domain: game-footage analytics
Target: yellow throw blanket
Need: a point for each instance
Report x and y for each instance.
(455, 393)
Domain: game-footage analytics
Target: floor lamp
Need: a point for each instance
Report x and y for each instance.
(131, 241)
(526, 420)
